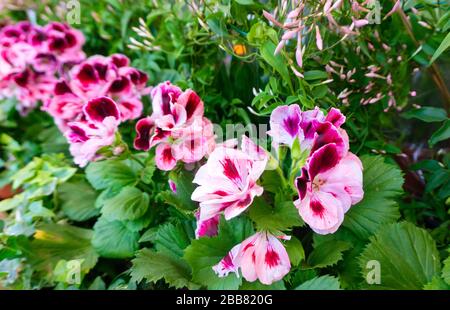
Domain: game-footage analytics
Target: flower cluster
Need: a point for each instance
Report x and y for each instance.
(96, 77)
(331, 181)
(31, 57)
(97, 129)
(176, 127)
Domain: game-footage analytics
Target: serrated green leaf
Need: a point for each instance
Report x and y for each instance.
(153, 266)
(130, 204)
(78, 200)
(327, 253)
(282, 216)
(295, 251)
(113, 239)
(382, 183)
(320, 283)
(173, 239)
(436, 284)
(407, 256)
(110, 174)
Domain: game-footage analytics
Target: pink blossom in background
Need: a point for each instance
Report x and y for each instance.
(227, 182)
(95, 77)
(176, 127)
(32, 57)
(261, 256)
(96, 130)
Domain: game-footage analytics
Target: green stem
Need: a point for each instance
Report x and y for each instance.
(136, 159)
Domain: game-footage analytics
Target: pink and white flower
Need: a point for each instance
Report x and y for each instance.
(328, 187)
(176, 127)
(312, 128)
(86, 138)
(228, 180)
(261, 256)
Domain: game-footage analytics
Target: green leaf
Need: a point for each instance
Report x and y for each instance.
(320, 283)
(245, 2)
(446, 270)
(407, 256)
(110, 174)
(113, 239)
(153, 266)
(282, 216)
(382, 183)
(205, 252)
(295, 251)
(258, 286)
(97, 285)
(445, 44)
(436, 284)
(130, 204)
(315, 75)
(327, 253)
(426, 114)
(182, 198)
(276, 62)
(443, 133)
(173, 239)
(216, 22)
(78, 200)
(148, 171)
(54, 242)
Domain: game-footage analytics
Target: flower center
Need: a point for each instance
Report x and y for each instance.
(317, 183)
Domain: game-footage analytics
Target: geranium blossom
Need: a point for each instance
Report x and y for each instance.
(228, 180)
(97, 130)
(328, 187)
(95, 77)
(176, 127)
(261, 256)
(31, 58)
(311, 128)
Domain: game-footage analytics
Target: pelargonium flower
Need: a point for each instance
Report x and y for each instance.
(311, 128)
(261, 256)
(228, 180)
(87, 137)
(331, 180)
(328, 187)
(31, 58)
(176, 127)
(95, 77)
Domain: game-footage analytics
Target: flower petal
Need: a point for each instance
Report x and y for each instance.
(96, 110)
